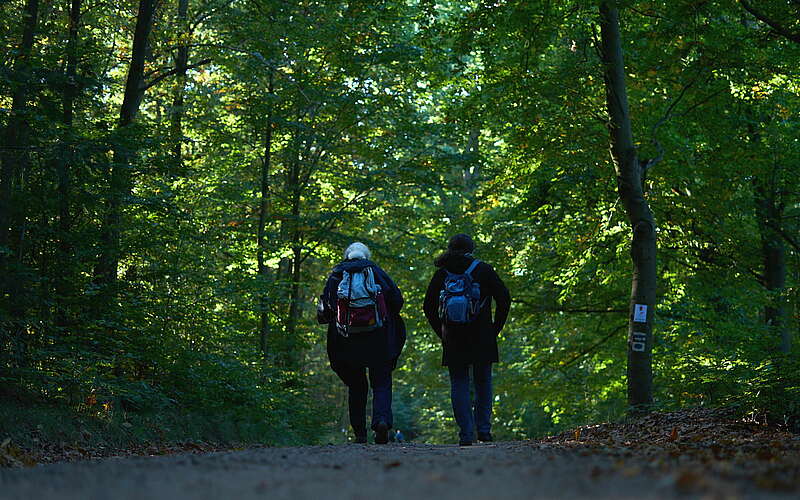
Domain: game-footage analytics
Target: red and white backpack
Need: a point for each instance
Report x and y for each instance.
(360, 303)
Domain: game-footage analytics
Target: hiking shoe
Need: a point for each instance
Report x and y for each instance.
(381, 433)
(485, 437)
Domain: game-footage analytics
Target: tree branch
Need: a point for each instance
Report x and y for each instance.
(702, 101)
(593, 346)
(157, 70)
(647, 164)
(203, 16)
(786, 236)
(173, 71)
(776, 26)
(580, 310)
(646, 14)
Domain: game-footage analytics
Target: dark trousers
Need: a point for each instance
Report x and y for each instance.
(467, 416)
(380, 378)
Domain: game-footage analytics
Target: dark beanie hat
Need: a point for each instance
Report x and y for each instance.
(461, 243)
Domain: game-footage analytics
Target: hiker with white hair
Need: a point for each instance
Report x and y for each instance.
(361, 306)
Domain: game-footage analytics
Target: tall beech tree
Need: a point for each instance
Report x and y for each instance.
(14, 160)
(264, 218)
(64, 163)
(15, 154)
(177, 111)
(124, 151)
(630, 172)
(770, 205)
(120, 175)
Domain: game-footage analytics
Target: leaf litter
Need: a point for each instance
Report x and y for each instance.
(13, 456)
(697, 450)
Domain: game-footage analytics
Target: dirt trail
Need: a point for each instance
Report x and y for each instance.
(492, 471)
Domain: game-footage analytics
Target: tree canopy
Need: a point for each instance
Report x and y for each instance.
(179, 177)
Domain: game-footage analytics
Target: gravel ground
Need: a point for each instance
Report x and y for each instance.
(516, 470)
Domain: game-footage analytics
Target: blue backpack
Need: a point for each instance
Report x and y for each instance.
(460, 298)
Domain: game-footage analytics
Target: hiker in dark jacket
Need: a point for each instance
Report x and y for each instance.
(354, 354)
(473, 344)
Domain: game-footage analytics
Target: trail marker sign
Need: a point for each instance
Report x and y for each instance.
(640, 313)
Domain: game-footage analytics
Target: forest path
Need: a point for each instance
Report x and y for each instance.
(485, 471)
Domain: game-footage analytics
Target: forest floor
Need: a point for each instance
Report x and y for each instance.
(695, 453)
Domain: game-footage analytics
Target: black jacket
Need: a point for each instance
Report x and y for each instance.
(374, 348)
(474, 342)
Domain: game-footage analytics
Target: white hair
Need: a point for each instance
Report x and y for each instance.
(357, 250)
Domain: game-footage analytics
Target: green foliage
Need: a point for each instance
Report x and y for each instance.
(398, 124)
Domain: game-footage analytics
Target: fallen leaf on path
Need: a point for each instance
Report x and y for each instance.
(673, 436)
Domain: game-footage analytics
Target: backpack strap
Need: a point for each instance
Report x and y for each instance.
(472, 267)
(369, 279)
(349, 294)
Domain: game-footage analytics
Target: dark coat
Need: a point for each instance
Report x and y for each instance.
(474, 342)
(375, 348)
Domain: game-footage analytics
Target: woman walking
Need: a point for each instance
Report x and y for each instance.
(361, 305)
(458, 305)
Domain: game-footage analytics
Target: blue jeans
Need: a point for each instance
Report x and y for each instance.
(467, 418)
(380, 378)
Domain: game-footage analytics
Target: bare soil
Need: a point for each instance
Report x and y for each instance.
(695, 453)
(492, 471)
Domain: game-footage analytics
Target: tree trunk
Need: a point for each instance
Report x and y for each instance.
(471, 176)
(14, 159)
(294, 309)
(15, 154)
(263, 217)
(769, 213)
(181, 63)
(71, 88)
(629, 174)
(297, 262)
(105, 273)
(472, 166)
(62, 163)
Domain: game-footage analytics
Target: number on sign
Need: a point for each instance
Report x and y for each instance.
(639, 341)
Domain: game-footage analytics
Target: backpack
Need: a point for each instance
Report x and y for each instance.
(460, 298)
(360, 303)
